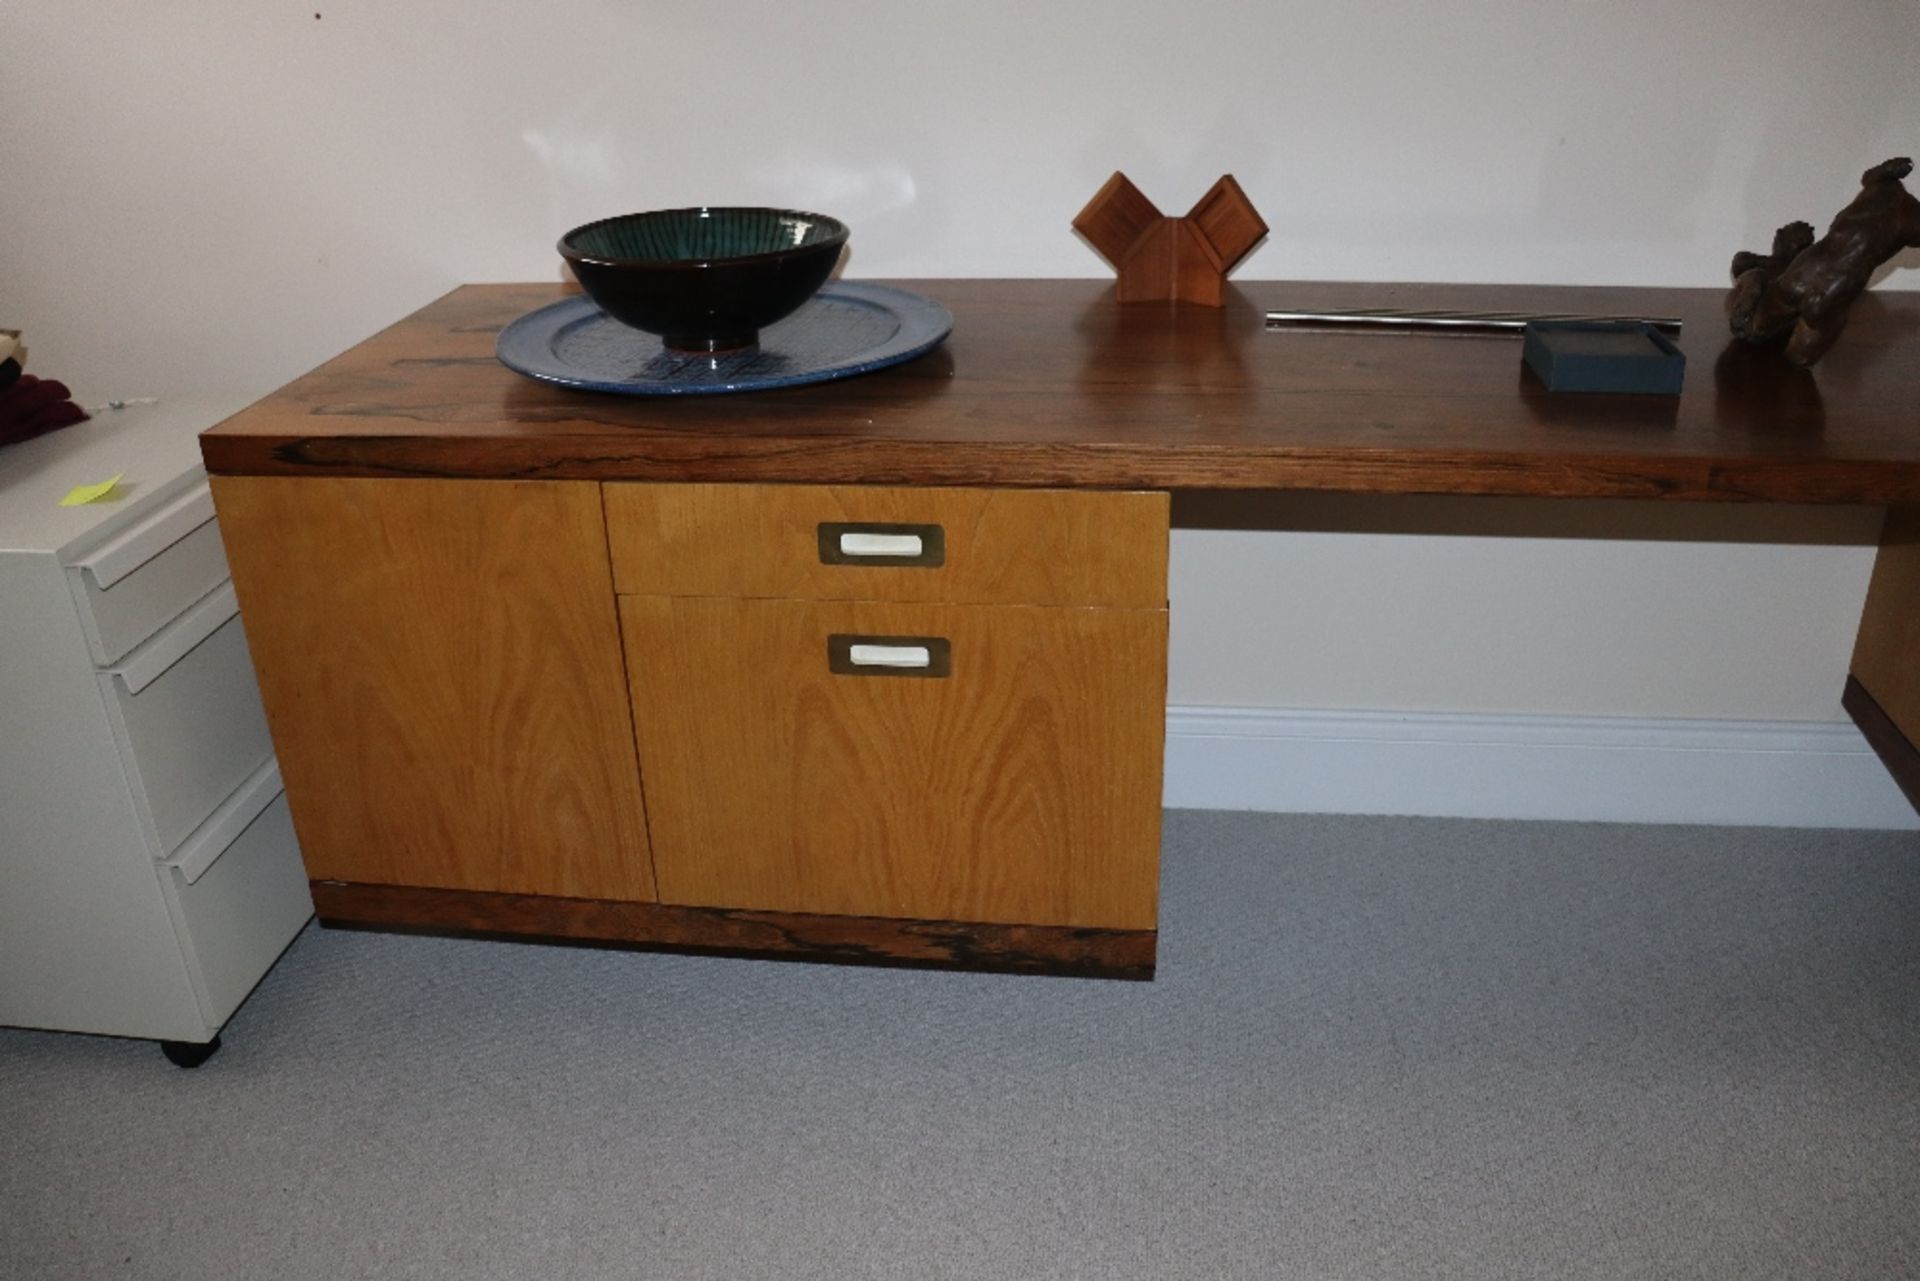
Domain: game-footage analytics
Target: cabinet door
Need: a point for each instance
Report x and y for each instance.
(440, 663)
(936, 762)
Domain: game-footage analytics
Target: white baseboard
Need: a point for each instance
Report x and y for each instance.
(1739, 773)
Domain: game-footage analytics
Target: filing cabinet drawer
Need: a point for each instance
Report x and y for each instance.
(129, 588)
(935, 762)
(856, 542)
(243, 901)
(188, 717)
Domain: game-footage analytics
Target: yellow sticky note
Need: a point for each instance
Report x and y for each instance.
(90, 493)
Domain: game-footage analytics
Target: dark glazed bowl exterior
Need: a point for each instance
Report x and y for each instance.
(706, 279)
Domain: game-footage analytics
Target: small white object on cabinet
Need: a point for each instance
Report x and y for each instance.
(148, 870)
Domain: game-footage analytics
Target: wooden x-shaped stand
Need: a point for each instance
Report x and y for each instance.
(1160, 258)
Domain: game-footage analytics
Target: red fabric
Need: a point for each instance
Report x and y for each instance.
(34, 406)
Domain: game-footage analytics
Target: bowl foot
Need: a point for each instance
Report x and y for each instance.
(715, 345)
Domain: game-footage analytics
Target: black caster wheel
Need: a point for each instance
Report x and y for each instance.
(189, 1054)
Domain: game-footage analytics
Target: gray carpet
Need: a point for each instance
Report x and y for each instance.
(1377, 1048)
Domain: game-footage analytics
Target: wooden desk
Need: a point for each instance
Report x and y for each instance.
(413, 499)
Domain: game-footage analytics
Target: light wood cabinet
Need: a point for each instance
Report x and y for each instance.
(938, 708)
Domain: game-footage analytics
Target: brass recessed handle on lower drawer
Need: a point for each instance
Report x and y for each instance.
(849, 655)
(874, 543)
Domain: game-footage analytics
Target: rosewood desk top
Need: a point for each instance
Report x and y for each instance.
(1051, 383)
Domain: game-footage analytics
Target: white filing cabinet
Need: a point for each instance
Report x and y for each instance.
(148, 870)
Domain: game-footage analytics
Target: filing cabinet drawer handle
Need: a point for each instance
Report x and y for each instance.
(113, 561)
(889, 655)
(871, 543)
(149, 662)
(224, 826)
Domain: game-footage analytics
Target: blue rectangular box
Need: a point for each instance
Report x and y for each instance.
(1618, 356)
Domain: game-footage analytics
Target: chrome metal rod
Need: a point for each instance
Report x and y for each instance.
(1486, 322)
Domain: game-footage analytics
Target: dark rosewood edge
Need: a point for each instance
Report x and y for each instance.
(828, 461)
(844, 940)
(1896, 750)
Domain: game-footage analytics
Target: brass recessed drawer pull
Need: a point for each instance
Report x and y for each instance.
(871, 543)
(889, 655)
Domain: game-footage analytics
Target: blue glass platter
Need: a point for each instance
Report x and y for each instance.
(848, 328)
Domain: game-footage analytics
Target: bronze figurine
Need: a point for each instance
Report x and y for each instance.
(1804, 287)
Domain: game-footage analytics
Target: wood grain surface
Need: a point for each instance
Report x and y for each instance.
(1051, 384)
(441, 669)
(851, 940)
(1172, 261)
(1024, 788)
(1228, 221)
(1886, 654)
(1006, 546)
(1115, 219)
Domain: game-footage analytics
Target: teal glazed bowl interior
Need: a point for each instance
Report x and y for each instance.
(704, 280)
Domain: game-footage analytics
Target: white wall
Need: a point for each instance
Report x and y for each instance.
(219, 191)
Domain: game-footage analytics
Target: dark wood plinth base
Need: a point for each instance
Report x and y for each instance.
(853, 940)
(1895, 749)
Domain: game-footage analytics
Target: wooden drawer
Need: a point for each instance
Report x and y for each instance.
(187, 715)
(855, 542)
(785, 770)
(133, 585)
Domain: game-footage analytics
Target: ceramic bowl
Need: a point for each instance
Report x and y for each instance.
(704, 280)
